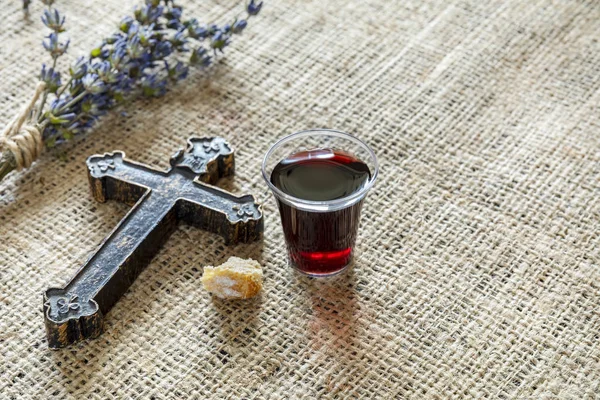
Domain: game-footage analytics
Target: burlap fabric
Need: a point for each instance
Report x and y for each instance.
(478, 269)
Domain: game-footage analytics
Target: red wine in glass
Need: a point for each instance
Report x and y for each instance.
(320, 243)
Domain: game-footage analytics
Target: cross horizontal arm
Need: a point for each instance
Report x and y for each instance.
(236, 219)
(128, 178)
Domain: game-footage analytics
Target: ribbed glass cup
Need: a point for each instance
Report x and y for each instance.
(320, 235)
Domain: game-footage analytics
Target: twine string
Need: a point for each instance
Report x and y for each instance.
(22, 137)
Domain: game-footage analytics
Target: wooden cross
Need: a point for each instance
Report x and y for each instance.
(160, 199)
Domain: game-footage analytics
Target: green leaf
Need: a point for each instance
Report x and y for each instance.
(118, 97)
(96, 52)
(56, 120)
(50, 143)
(148, 92)
(68, 135)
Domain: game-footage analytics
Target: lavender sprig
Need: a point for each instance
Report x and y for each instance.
(150, 50)
(141, 58)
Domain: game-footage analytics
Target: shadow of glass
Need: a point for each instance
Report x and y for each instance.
(334, 309)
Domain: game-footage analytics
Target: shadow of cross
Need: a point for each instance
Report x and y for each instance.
(160, 199)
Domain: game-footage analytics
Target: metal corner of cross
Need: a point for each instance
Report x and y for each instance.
(159, 200)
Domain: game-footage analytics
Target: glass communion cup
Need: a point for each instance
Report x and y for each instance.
(320, 178)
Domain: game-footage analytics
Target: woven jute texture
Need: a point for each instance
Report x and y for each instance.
(478, 266)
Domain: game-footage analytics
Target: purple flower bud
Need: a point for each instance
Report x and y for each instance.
(77, 127)
(173, 16)
(152, 86)
(114, 38)
(134, 48)
(239, 26)
(55, 48)
(174, 24)
(200, 57)
(134, 28)
(178, 72)
(162, 50)
(93, 84)
(94, 106)
(148, 14)
(58, 112)
(124, 87)
(51, 78)
(213, 29)
(178, 40)
(219, 41)
(105, 72)
(117, 56)
(78, 68)
(175, 12)
(197, 32)
(76, 87)
(253, 8)
(53, 20)
(146, 35)
(126, 24)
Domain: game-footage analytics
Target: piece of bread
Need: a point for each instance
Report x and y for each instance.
(235, 279)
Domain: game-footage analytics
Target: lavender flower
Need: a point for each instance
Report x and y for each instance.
(195, 31)
(75, 87)
(239, 26)
(200, 57)
(219, 41)
(253, 8)
(55, 48)
(92, 84)
(94, 106)
(178, 72)
(126, 24)
(179, 41)
(147, 35)
(133, 47)
(162, 50)
(78, 68)
(51, 78)
(140, 58)
(148, 13)
(105, 72)
(118, 56)
(58, 113)
(173, 16)
(153, 86)
(53, 20)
